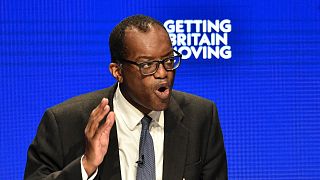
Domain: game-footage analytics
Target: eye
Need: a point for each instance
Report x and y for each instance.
(169, 61)
(146, 65)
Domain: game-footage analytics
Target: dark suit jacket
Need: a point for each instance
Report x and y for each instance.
(193, 142)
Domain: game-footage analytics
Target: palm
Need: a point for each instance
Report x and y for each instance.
(97, 137)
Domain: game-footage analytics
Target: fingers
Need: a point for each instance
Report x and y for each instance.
(106, 127)
(100, 107)
(97, 147)
(96, 116)
(101, 113)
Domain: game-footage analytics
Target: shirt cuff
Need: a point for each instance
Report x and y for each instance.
(84, 173)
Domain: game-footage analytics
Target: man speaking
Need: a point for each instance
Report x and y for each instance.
(137, 129)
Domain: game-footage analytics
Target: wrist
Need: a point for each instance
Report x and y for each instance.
(89, 167)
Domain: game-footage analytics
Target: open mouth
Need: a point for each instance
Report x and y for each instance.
(163, 91)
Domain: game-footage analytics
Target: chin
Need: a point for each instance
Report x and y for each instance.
(161, 107)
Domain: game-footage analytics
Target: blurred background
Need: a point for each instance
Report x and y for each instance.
(267, 93)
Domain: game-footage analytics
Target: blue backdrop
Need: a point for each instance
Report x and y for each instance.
(268, 93)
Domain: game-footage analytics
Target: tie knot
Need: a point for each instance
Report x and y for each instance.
(145, 121)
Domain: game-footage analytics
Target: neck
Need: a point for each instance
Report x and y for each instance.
(132, 102)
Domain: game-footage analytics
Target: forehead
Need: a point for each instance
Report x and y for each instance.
(153, 43)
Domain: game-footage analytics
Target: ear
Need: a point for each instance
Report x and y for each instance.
(115, 70)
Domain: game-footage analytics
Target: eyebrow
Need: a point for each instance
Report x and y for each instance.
(152, 58)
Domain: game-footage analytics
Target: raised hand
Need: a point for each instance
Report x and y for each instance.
(97, 138)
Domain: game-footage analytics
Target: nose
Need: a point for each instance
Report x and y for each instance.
(161, 72)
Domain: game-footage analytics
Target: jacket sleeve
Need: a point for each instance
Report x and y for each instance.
(45, 159)
(215, 163)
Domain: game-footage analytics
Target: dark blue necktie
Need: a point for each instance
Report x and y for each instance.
(146, 163)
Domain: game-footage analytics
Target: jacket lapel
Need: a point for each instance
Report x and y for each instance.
(110, 167)
(175, 142)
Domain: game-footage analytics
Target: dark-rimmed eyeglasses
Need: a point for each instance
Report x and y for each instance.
(150, 67)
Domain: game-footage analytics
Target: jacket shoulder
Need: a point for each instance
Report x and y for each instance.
(194, 106)
(183, 98)
(83, 102)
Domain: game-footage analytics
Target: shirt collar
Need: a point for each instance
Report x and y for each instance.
(131, 115)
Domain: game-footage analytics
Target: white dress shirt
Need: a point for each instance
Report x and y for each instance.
(128, 131)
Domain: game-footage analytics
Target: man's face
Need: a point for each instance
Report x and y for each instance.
(151, 92)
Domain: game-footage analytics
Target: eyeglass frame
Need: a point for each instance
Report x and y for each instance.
(161, 61)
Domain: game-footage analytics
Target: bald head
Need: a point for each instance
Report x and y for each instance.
(117, 44)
